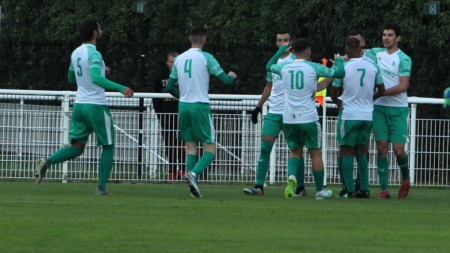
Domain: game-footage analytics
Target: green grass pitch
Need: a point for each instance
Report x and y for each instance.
(56, 217)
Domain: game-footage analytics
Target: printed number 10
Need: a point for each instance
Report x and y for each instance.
(299, 84)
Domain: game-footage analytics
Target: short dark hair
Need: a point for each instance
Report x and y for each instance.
(395, 27)
(87, 28)
(285, 32)
(197, 34)
(173, 53)
(352, 45)
(300, 45)
(355, 32)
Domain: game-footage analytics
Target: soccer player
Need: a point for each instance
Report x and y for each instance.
(192, 70)
(361, 74)
(167, 113)
(360, 36)
(390, 115)
(300, 117)
(273, 122)
(90, 112)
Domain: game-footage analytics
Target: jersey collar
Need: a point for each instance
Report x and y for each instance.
(90, 44)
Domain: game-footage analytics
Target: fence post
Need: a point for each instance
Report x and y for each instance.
(244, 142)
(65, 133)
(141, 123)
(20, 128)
(412, 152)
(324, 141)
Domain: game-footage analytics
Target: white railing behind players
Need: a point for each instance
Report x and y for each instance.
(28, 132)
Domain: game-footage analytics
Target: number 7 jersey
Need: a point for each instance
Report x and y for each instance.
(300, 87)
(192, 69)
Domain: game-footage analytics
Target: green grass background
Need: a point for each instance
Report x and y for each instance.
(55, 217)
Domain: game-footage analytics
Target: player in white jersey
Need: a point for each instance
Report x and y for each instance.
(390, 115)
(273, 122)
(361, 75)
(360, 36)
(90, 112)
(300, 117)
(192, 70)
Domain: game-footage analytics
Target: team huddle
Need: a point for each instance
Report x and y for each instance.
(374, 85)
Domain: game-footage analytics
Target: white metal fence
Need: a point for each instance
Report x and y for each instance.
(35, 124)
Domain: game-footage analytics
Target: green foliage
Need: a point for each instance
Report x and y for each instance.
(39, 36)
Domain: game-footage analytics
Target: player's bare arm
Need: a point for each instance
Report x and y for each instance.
(265, 95)
(334, 97)
(380, 91)
(401, 87)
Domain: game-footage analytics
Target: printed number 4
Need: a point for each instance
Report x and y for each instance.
(80, 71)
(362, 76)
(188, 67)
(297, 81)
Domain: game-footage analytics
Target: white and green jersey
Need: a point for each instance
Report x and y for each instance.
(361, 75)
(192, 69)
(83, 59)
(300, 86)
(276, 103)
(392, 67)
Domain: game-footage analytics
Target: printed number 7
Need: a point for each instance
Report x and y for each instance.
(362, 76)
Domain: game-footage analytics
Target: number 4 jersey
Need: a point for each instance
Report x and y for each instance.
(300, 87)
(357, 99)
(83, 59)
(192, 69)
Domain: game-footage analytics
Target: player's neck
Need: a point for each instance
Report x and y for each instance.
(392, 49)
(301, 57)
(92, 41)
(199, 46)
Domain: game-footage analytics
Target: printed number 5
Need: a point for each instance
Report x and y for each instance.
(80, 71)
(362, 76)
(188, 67)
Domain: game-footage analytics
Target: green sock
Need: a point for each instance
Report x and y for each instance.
(263, 162)
(347, 167)
(301, 173)
(203, 163)
(65, 154)
(341, 171)
(363, 169)
(190, 162)
(383, 172)
(404, 168)
(293, 164)
(105, 166)
(318, 178)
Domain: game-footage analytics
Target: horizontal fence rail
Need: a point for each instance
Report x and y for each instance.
(35, 124)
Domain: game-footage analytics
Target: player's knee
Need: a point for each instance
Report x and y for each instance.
(266, 148)
(382, 150)
(78, 145)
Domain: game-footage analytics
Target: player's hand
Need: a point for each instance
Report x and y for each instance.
(255, 115)
(231, 73)
(339, 105)
(128, 93)
(107, 71)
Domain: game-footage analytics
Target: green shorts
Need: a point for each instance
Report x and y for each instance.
(307, 134)
(88, 118)
(391, 124)
(273, 124)
(354, 132)
(196, 123)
